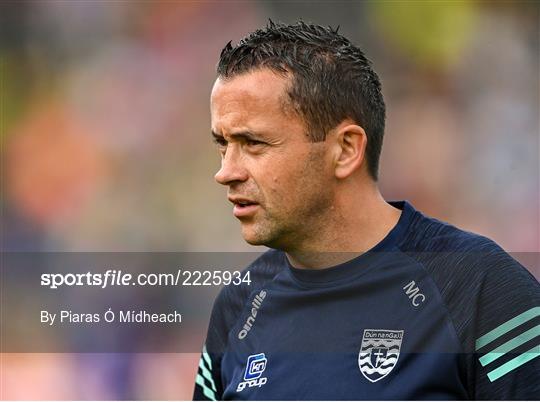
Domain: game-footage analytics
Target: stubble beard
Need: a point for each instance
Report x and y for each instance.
(298, 227)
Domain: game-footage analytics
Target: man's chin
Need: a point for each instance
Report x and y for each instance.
(253, 240)
(252, 236)
(263, 239)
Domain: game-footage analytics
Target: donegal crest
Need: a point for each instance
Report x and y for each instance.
(379, 353)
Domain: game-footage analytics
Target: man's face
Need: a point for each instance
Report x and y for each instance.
(280, 183)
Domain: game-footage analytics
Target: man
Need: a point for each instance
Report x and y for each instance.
(357, 298)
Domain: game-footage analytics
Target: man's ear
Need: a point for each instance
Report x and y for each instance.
(351, 142)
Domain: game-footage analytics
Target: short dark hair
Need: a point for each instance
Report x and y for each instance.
(331, 78)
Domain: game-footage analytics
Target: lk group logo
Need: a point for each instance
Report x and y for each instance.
(256, 364)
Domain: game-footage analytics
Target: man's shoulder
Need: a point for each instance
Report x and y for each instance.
(454, 255)
(481, 285)
(427, 234)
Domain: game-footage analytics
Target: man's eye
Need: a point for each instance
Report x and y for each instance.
(253, 142)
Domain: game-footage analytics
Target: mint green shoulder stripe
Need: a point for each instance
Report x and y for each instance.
(514, 363)
(206, 357)
(206, 374)
(206, 391)
(507, 326)
(510, 345)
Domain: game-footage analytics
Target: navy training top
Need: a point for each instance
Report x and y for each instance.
(431, 312)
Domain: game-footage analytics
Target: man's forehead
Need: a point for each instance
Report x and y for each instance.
(258, 86)
(256, 102)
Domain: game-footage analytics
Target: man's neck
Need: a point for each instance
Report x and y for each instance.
(347, 233)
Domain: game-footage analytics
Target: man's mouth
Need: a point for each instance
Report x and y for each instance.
(243, 207)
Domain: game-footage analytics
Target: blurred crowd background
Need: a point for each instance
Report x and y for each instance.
(106, 145)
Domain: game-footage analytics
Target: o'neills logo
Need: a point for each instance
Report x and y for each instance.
(255, 306)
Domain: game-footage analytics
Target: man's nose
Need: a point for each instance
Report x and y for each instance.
(232, 169)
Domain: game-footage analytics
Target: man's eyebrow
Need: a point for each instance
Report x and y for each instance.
(245, 135)
(216, 136)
